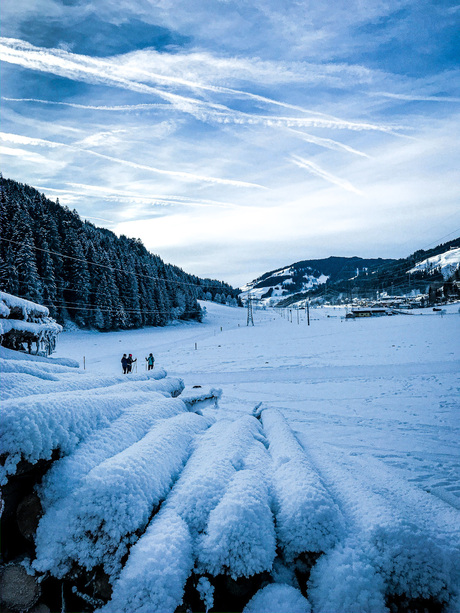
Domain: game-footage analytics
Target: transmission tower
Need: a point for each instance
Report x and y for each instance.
(250, 315)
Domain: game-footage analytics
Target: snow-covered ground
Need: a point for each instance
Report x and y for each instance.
(385, 386)
(355, 455)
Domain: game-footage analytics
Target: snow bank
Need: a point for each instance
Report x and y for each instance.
(157, 569)
(66, 474)
(220, 452)
(279, 598)
(34, 426)
(240, 535)
(307, 518)
(97, 522)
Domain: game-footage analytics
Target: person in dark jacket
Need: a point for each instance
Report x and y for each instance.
(124, 363)
(131, 361)
(150, 361)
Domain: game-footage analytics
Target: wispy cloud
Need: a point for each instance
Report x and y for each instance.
(186, 176)
(328, 143)
(104, 71)
(416, 98)
(118, 195)
(92, 107)
(327, 176)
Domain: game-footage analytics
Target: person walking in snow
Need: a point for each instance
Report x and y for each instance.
(124, 363)
(131, 361)
(150, 361)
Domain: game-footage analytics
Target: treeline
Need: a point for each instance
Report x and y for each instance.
(87, 274)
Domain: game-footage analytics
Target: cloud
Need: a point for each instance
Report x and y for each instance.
(328, 143)
(110, 72)
(415, 98)
(177, 174)
(327, 176)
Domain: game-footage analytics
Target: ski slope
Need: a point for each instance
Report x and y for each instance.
(328, 473)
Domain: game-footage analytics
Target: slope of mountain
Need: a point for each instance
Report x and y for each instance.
(309, 276)
(343, 278)
(88, 275)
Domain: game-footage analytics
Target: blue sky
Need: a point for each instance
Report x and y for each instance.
(238, 136)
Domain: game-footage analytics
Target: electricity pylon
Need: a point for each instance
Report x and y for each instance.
(250, 315)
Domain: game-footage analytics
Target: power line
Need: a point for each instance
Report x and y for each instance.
(112, 268)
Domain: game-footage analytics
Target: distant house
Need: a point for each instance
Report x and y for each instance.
(24, 323)
(368, 312)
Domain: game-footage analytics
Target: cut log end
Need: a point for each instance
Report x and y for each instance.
(18, 590)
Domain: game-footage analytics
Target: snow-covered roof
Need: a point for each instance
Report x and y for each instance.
(10, 303)
(7, 325)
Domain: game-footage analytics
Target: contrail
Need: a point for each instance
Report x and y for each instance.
(316, 170)
(95, 70)
(328, 143)
(25, 140)
(414, 98)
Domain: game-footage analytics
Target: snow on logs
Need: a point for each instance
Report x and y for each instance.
(278, 597)
(217, 516)
(240, 534)
(157, 568)
(307, 518)
(97, 522)
(35, 426)
(134, 423)
(401, 542)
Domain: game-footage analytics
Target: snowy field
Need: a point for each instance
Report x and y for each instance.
(386, 387)
(350, 471)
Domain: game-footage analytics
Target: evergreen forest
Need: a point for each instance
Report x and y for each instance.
(88, 275)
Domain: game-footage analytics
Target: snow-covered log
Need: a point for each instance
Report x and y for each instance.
(157, 569)
(23, 381)
(35, 426)
(307, 518)
(409, 538)
(66, 474)
(204, 397)
(346, 579)
(240, 534)
(98, 521)
(220, 452)
(278, 597)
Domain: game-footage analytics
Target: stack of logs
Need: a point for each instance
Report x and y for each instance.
(21, 588)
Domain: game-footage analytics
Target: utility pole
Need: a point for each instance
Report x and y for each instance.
(250, 314)
(308, 313)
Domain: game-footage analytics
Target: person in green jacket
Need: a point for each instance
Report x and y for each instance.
(150, 361)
